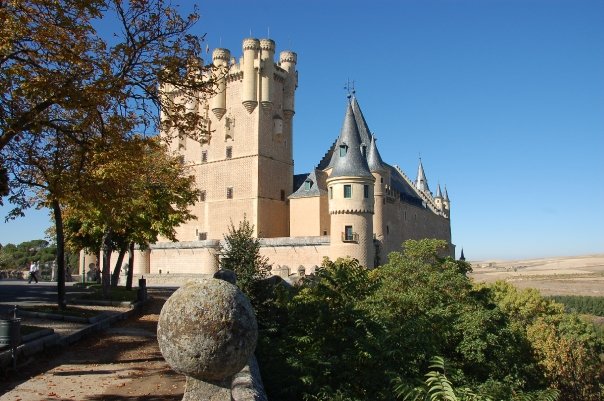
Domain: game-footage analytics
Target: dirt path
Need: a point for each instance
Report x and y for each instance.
(122, 363)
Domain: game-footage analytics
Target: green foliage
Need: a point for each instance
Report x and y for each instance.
(327, 348)
(438, 387)
(19, 257)
(352, 334)
(567, 348)
(581, 304)
(241, 254)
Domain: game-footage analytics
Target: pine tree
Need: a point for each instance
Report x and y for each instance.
(241, 254)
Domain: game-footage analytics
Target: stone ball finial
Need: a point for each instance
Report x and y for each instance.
(207, 330)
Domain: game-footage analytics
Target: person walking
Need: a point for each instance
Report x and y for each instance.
(33, 271)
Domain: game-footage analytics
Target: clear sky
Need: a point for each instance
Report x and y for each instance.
(503, 100)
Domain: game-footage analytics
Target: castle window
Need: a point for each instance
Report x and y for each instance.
(324, 232)
(330, 192)
(202, 196)
(282, 195)
(202, 236)
(307, 185)
(229, 193)
(364, 150)
(349, 236)
(204, 156)
(348, 191)
(382, 180)
(387, 230)
(366, 191)
(343, 150)
(229, 152)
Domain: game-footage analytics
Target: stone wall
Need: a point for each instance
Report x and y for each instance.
(288, 254)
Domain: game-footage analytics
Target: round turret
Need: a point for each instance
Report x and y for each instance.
(251, 47)
(287, 61)
(446, 203)
(438, 199)
(268, 69)
(351, 198)
(220, 61)
(380, 173)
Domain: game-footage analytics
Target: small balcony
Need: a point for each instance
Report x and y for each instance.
(350, 237)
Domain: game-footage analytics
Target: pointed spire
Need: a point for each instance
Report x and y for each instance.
(374, 160)
(462, 257)
(347, 158)
(446, 194)
(360, 120)
(439, 194)
(421, 182)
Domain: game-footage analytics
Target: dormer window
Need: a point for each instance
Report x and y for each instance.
(307, 185)
(364, 150)
(343, 150)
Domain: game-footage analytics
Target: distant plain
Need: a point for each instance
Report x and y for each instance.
(571, 275)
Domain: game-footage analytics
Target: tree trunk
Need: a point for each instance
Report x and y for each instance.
(130, 266)
(105, 274)
(115, 277)
(56, 208)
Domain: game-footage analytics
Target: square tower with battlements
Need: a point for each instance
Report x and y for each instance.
(244, 165)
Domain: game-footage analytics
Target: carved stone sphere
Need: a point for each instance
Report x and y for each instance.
(207, 330)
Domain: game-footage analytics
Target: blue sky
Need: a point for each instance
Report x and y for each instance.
(503, 99)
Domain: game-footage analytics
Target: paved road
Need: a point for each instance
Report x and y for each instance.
(19, 292)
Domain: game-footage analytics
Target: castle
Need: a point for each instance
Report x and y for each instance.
(351, 204)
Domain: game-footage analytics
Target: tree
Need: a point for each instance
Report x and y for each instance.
(140, 192)
(52, 57)
(68, 93)
(568, 350)
(241, 254)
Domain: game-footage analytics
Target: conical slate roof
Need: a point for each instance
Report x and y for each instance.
(374, 160)
(347, 158)
(446, 194)
(439, 194)
(421, 182)
(364, 133)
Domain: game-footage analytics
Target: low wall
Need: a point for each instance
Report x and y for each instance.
(172, 263)
(288, 255)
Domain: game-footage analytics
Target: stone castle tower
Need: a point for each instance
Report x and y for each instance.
(250, 123)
